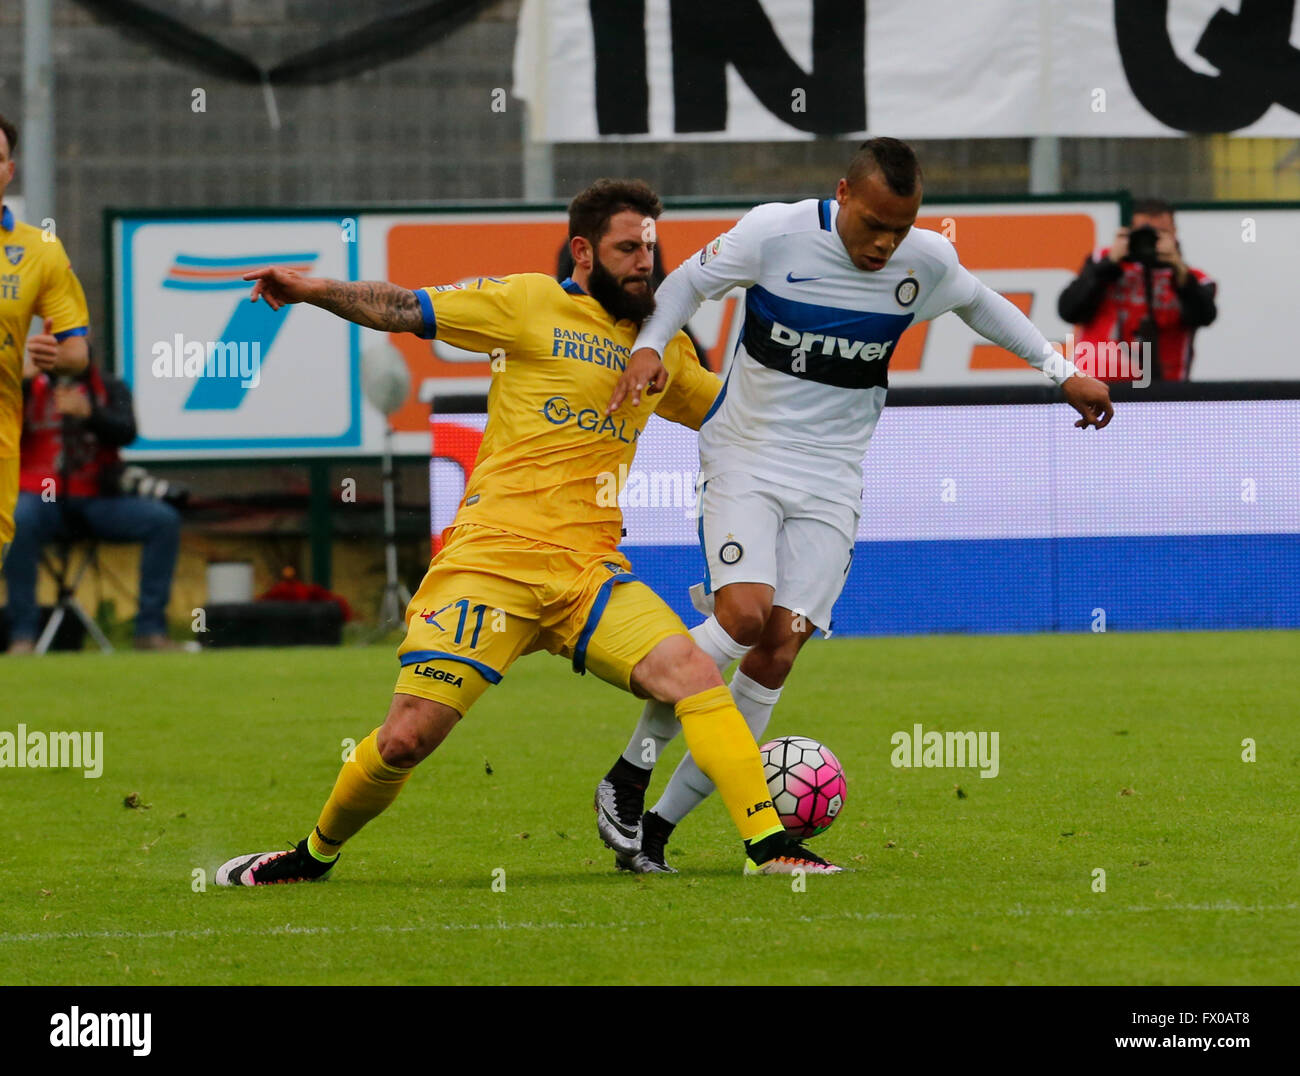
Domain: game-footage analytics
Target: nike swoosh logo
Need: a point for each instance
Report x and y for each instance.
(792, 279)
(629, 833)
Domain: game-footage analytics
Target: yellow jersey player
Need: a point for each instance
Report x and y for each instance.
(531, 561)
(36, 280)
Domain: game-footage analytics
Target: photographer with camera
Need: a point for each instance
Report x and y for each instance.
(1140, 292)
(71, 483)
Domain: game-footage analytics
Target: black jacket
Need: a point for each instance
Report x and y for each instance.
(1079, 301)
(113, 422)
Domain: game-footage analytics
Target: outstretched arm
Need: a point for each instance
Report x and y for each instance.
(997, 319)
(375, 304)
(676, 299)
(732, 260)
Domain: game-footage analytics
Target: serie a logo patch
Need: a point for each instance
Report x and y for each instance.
(711, 251)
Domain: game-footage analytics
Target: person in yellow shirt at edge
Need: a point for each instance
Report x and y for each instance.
(531, 561)
(36, 280)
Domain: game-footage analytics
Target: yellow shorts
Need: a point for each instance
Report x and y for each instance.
(489, 597)
(8, 501)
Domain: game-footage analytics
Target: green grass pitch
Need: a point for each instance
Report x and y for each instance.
(1119, 752)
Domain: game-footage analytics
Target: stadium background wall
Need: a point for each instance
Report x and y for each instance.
(180, 269)
(1018, 570)
(419, 128)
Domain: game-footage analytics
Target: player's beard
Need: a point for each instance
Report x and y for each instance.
(604, 287)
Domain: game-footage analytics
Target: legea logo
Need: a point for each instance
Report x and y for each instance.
(808, 343)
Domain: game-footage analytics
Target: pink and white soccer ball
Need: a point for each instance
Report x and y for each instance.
(807, 784)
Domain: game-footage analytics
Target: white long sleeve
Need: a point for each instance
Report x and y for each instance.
(676, 301)
(732, 260)
(996, 318)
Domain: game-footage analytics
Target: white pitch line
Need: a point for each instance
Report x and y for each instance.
(501, 925)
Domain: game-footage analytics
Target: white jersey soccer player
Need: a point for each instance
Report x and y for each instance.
(830, 286)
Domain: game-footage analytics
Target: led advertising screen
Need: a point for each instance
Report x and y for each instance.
(1005, 518)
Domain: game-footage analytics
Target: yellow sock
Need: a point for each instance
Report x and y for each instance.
(366, 785)
(724, 748)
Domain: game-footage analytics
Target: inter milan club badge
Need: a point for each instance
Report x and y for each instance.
(906, 291)
(731, 551)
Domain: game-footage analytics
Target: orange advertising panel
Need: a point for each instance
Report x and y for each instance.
(1005, 242)
(1027, 251)
(442, 253)
(1016, 240)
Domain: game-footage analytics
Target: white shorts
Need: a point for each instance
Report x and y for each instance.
(752, 531)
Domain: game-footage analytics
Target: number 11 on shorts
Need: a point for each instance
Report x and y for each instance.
(479, 611)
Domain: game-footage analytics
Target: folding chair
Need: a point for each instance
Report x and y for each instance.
(67, 580)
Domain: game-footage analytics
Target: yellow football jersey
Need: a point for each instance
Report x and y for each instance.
(549, 464)
(36, 279)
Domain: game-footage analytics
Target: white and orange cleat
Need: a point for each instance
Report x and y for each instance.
(785, 855)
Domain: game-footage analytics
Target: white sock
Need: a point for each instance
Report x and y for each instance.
(659, 724)
(712, 638)
(755, 701)
(689, 787)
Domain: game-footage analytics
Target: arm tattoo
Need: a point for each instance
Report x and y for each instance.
(374, 304)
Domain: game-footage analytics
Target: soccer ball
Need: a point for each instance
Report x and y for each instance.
(807, 784)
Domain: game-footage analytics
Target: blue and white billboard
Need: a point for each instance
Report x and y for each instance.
(212, 373)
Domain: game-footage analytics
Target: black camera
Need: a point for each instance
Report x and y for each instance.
(1142, 246)
(137, 482)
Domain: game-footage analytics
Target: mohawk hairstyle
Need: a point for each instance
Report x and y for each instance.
(893, 159)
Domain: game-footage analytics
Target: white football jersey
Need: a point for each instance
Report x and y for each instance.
(806, 384)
